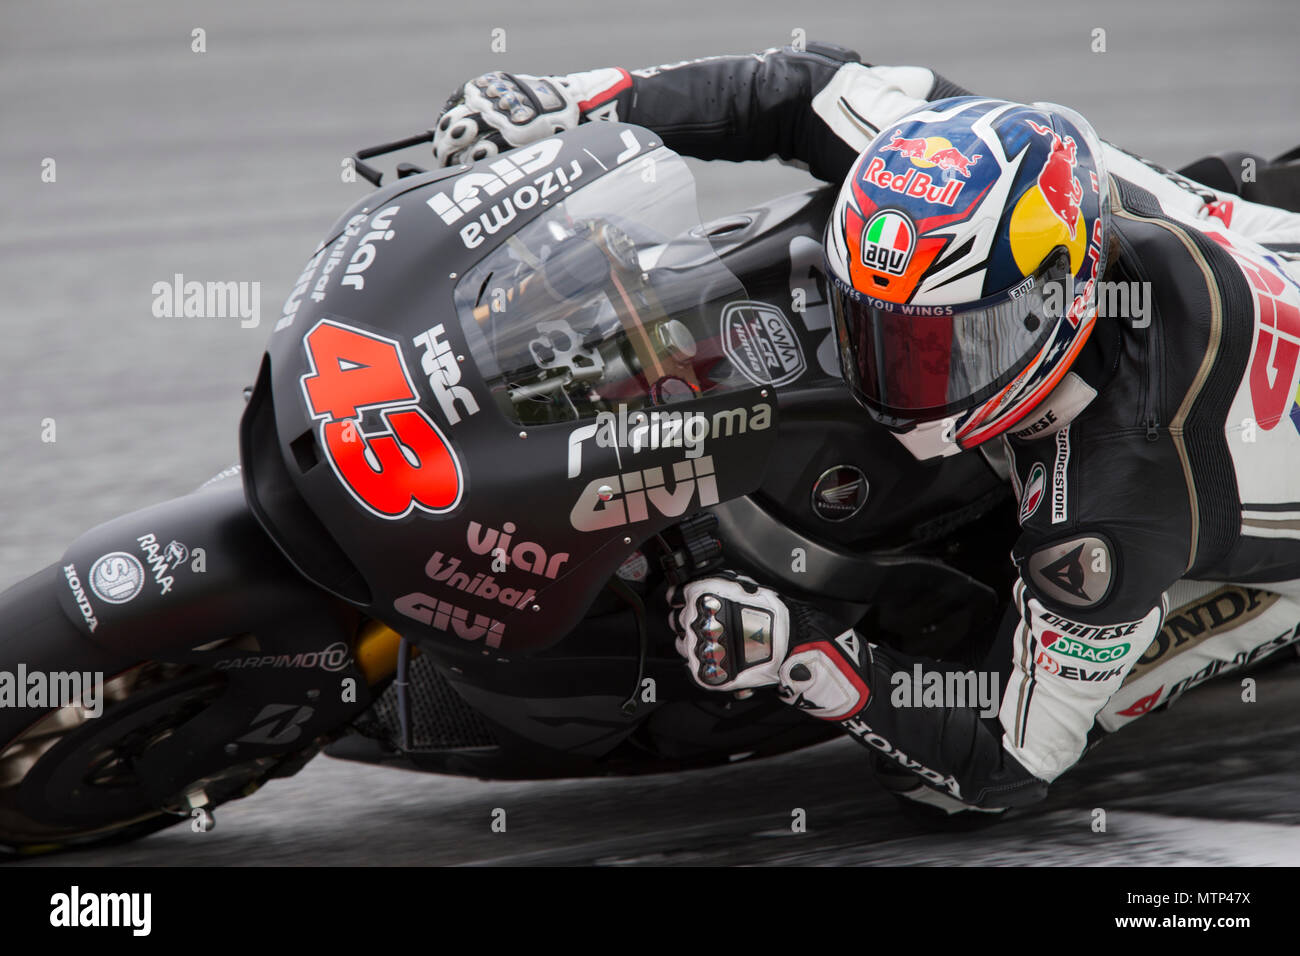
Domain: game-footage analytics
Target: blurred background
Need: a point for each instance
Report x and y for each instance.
(225, 166)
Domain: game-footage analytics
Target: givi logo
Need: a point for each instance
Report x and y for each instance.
(509, 171)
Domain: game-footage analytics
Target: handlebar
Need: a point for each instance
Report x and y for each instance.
(374, 176)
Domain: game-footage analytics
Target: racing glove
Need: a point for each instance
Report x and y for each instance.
(499, 111)
(737, 635)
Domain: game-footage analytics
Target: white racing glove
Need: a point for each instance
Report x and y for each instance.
(733, 634)
(736, 635)
(499, 111)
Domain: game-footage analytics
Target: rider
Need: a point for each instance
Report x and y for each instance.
(1121, 342)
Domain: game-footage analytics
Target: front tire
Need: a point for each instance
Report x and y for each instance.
(68, 780)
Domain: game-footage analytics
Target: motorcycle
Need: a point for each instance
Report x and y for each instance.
(505, 407)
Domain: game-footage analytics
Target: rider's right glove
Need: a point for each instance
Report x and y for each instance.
(736, 635)
(499, 111)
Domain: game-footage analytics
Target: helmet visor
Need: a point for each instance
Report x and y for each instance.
(908, 367)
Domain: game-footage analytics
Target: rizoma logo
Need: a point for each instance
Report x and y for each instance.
(465, 194)
(1084, 652)
(640, 431)
(627, 498)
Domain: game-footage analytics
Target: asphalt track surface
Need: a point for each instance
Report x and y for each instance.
(225, 166)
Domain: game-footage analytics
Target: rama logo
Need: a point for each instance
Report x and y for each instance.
(640, 431)
(466, 194)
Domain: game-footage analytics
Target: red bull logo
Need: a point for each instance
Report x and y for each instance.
(933, 152)
(1056, 180)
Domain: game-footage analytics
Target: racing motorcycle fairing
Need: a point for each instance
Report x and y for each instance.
(554, 308)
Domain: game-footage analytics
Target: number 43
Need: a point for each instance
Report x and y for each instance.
(391, 471)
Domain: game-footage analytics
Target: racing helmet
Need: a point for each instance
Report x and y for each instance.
(963, 253)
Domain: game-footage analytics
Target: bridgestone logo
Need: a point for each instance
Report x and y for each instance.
(1060, 476)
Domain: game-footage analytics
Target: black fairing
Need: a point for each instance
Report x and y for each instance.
(388, 271)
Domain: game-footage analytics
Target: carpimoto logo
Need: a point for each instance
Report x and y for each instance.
(116, 577)
(333, 658)
(888, 240)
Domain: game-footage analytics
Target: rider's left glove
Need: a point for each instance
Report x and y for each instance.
(499, 111)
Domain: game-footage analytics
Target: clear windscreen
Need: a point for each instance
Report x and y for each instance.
(611, 297)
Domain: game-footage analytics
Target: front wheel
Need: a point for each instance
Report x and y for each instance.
(70, 780)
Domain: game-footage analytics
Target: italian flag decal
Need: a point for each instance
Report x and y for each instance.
(887, 243)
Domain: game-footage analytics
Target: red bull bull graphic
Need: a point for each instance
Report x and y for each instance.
(887, 242)
(912, 148)
(1057, 182)
(953, 158)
